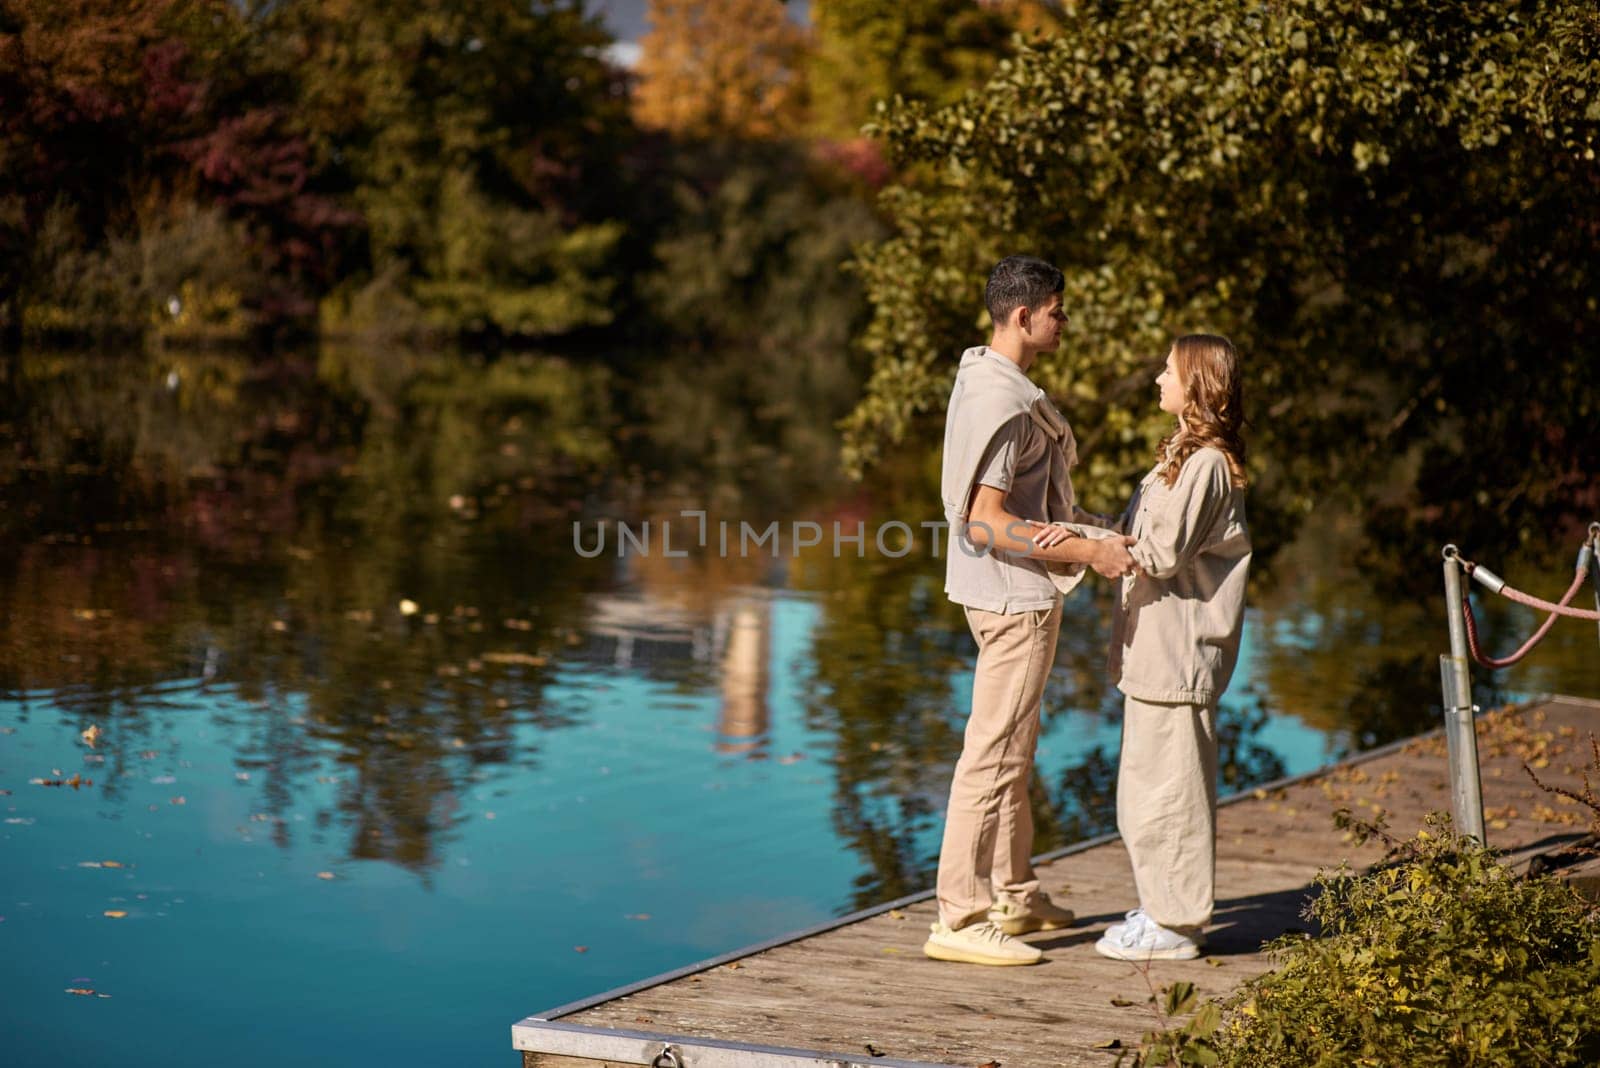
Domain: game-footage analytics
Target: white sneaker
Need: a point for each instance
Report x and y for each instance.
(978, 943)
(1114, 932)
(1143, 939)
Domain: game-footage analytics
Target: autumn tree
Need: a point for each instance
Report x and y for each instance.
(1388, 205)
(138, 159)
(720, 68)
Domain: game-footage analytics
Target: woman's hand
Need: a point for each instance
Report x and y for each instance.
(1045, 535)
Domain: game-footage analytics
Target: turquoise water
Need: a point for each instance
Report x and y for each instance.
(631, 838)
(383, 766)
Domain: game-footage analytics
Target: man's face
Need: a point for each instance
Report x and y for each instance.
(1044, 325)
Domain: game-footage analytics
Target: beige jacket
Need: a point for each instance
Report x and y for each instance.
(989, 392)
(1175, 630)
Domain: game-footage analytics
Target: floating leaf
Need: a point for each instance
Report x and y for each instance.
(525, 659)
(91, 735)
(74, 782)
(637, 916)
(580, 949)
(116, 914)
(81, 991)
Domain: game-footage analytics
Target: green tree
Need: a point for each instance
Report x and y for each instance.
(871, 50)
(1386, 204)
(478, 140)
(747, 274)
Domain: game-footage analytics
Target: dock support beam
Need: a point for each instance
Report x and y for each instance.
(1466, 793)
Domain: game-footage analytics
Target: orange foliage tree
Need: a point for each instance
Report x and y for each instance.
(720, 68)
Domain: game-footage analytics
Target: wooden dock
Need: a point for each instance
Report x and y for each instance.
(859, 991)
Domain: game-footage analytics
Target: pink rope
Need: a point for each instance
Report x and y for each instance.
(1556, 611)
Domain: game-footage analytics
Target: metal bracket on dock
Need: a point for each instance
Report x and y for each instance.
(656, 1050)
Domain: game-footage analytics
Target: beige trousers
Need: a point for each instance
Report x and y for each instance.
(1167, 808)
(988, 828)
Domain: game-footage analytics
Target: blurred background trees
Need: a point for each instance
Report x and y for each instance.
(1389, 205)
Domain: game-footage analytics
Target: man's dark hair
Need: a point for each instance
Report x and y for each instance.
(1020, 281)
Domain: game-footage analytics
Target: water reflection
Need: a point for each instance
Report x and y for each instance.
(745, 716)
(349, 579)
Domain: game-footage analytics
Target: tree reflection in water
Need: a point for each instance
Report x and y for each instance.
(203, 518)
(208, 520)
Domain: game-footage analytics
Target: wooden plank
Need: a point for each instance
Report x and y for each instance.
(864, 987)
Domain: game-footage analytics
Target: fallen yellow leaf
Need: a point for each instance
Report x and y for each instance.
(526, 659)
(115, 914)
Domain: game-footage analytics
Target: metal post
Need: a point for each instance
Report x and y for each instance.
(1466, 793)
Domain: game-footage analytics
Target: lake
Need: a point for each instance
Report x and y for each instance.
(321, 740)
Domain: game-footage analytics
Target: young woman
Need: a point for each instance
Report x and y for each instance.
(1174, 642)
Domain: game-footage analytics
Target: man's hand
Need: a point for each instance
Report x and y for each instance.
(1108, 556)
(1111, 558)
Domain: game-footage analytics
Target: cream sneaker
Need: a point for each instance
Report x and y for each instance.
(1018, 916)
(978, 943)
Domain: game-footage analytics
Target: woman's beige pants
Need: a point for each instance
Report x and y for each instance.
(988, 828)
(1167, 808)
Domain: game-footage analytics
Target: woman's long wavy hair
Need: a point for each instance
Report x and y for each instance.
(1213, 406)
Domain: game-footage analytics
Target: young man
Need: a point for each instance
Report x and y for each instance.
(1007, 460)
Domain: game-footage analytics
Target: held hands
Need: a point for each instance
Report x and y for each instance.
(1112, 559)
(1108, 556)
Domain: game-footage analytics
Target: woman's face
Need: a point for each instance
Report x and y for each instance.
(1171, 384)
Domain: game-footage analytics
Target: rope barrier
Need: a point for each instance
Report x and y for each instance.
(1527, 647)
(1495, 584)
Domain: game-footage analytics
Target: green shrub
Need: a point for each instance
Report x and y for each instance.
(1444, 957)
